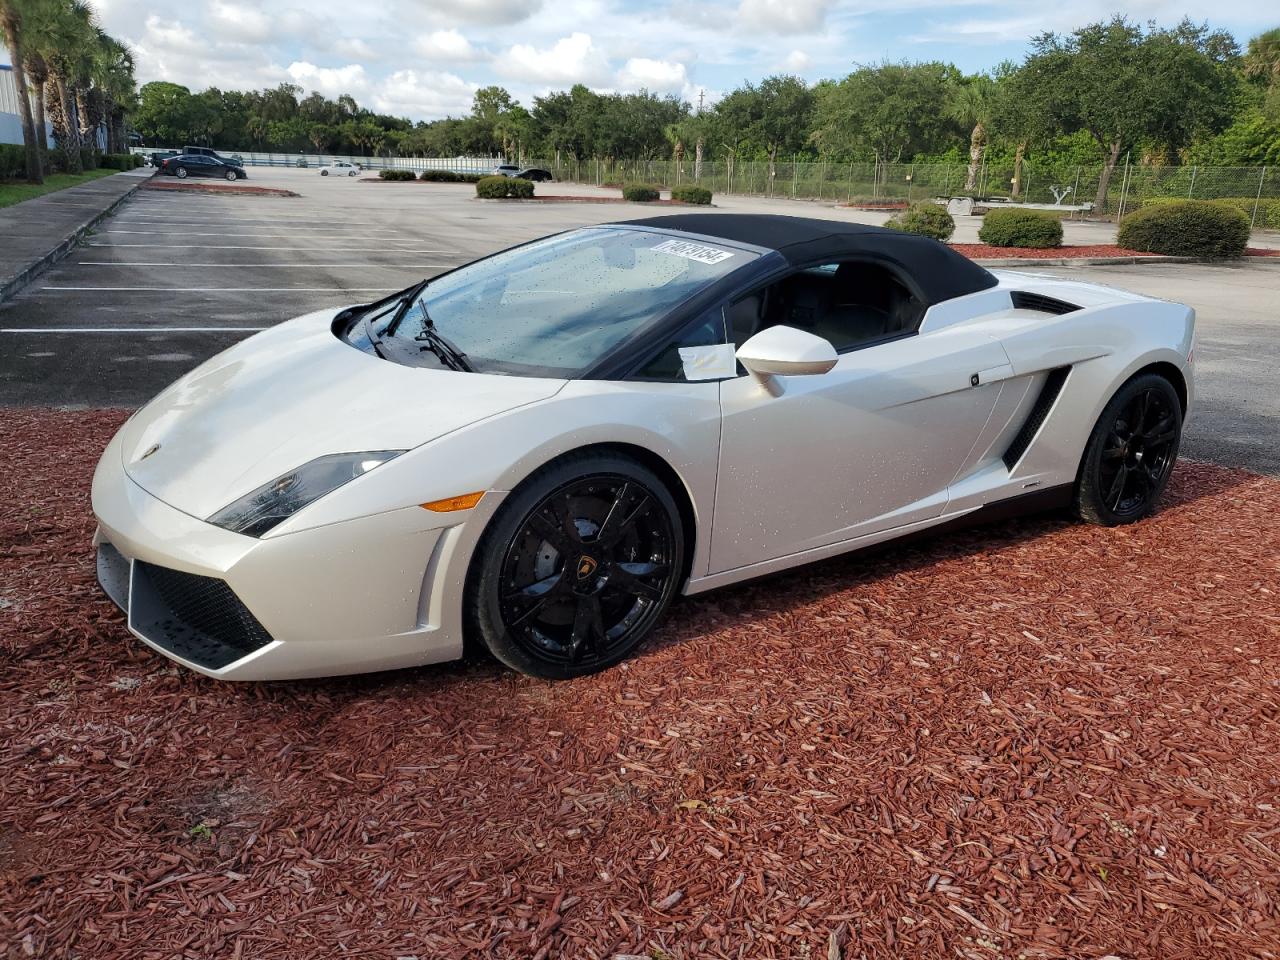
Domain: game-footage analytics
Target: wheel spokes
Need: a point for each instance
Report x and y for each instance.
(533, 597)
(1116, 491)
(633, 578)
(588, 627)
(631, 503)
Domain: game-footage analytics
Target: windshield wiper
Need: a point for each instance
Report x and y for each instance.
(435, 341)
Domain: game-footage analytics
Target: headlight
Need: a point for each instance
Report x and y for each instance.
(257, 512)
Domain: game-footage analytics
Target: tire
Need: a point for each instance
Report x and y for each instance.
(181, 173)
(232, 175)
(577, 567)
(324, 173)
(1131, 453)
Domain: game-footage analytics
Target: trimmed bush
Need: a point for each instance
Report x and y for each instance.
(440, 176)
(120, 161)
(1021, 228)
(640, 193)
(397, 175)
(691, 194)
(13, 161)
(926, 219)
(1188, 228)
(1268, 208)
(504, 188)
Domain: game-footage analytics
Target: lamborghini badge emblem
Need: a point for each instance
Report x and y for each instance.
(586, 567)
(150, 450)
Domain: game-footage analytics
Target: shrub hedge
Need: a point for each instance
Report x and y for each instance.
(397, 175)
(1021, 228)
(1187, 228)
(1268, 208)
(926, 219)
(504, 188)
(449, 176)
(640, 192)
(120, 161)
(691, 194)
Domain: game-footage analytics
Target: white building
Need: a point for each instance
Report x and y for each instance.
(10, 120)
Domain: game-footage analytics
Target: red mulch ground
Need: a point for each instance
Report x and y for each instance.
(158, 184)
(1261, 252)
(981, 251)
(1038, 740)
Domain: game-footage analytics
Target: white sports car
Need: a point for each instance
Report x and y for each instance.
(538, 450)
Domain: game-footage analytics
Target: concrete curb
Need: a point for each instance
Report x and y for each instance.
(15, 283)
(1104, 261)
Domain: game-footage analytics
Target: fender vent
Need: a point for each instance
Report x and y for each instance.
(1039, 413)
(1022, 300)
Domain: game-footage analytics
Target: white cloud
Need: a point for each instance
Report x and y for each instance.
(488, 12)
(448, 46)
(330, 81)
(784, 16)
(658, 76)
(424, 93)
(353, 48)
(240, 23)
(571, 59)
(797, 61)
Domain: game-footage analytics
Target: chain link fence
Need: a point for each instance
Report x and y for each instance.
(1069, 186)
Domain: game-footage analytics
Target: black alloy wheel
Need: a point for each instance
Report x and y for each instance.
(577, 567)
(1131, 452)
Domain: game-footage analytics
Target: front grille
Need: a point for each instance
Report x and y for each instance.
(197, 618)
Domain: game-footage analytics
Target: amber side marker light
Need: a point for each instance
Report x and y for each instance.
(449, 504)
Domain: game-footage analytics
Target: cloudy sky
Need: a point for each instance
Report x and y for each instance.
(424, 59)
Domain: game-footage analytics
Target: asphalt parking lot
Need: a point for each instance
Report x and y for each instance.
(174, 277)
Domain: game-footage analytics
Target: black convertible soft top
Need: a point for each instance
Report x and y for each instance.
(938, 271)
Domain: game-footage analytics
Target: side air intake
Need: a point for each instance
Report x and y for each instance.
(1022, 300)
(1039, 412)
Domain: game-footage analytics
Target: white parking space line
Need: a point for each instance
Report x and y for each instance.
(137, 217)
(294, 266)
(222, 289)
(132, 330)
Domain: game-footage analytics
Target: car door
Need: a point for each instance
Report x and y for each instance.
(871, 445)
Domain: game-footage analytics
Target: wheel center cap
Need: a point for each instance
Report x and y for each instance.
(586, 566)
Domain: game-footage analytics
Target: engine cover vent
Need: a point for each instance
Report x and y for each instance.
(1023, 300)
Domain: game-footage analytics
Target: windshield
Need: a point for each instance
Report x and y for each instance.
(555, 307)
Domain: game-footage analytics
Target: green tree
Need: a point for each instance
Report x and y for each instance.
(1124, 86)
(68, 35)
(771, 117)
(888, 112)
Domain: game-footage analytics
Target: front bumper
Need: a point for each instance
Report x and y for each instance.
(376, 593)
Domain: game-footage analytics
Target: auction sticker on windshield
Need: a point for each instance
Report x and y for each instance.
(694, 251)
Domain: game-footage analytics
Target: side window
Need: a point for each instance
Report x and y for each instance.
(670, 367)
(850, 303)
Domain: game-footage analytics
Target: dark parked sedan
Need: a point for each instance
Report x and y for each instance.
(195, 165)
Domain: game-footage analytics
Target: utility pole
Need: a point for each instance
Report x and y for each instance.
(701, 94)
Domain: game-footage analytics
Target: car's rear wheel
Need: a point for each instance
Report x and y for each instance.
(1131, 452)
(577, 567)
(324, 173)
(181, 173)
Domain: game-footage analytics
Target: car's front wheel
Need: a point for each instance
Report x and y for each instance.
(577, 567)
(324, 173)
(232, 175)
(1131, 452)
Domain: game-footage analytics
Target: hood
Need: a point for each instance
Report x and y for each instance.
(288, 395)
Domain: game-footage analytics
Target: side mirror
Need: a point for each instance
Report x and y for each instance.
(785, 352)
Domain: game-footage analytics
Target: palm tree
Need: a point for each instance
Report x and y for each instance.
(113, 86)
(38, 76)
(1262, 58)
(67, 36)
(11, 30)
(971, 104)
